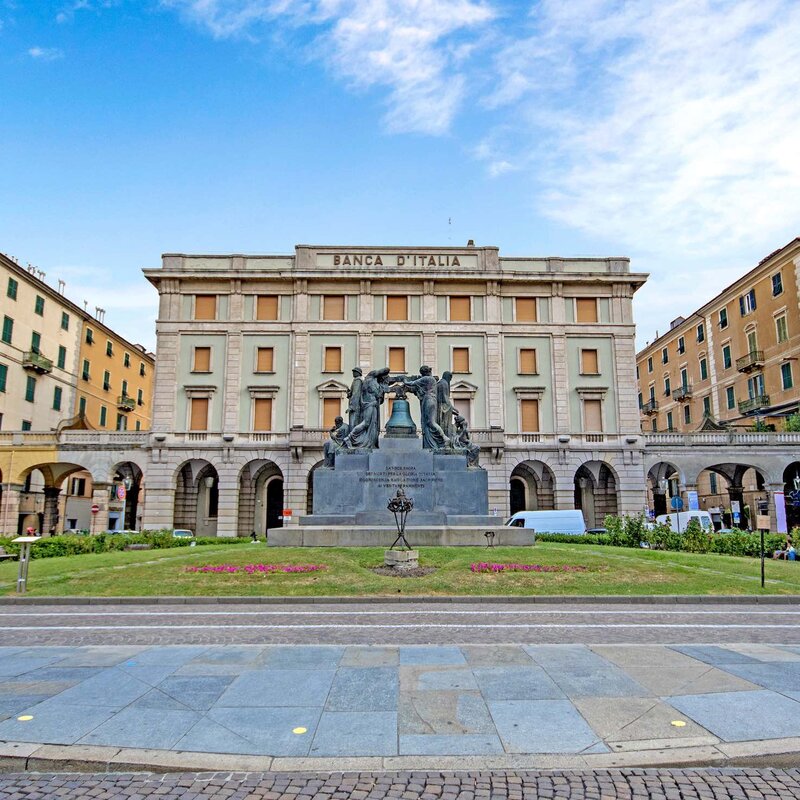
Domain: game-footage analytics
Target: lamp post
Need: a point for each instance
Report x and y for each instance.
(127, 483)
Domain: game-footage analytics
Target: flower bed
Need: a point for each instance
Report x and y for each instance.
(251, 569)
(484, 566)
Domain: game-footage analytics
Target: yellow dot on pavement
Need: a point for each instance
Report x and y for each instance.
(25, 718)
(299, 730)
(678, 723)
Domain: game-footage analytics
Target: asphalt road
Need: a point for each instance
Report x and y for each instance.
(387, 624)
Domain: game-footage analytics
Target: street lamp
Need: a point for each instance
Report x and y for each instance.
(127, 483)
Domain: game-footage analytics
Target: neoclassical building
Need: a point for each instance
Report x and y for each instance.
(255, 354)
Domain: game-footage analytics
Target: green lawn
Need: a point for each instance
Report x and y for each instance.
(610, 570)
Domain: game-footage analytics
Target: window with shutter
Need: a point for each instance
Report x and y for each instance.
(463, 405)
(397, 359)
(592, 416)
(264, 359)
(586, 309)
(267, 307)
(460, 359)
(525, 308)
(333, 359)
(460, 309)
(198, 420)
(205, 306)
(589, 363)
(529, 413)
(202, 359)
(333, 306)
(527, 361)
(397, 308)
(262, 414)
(331, 408)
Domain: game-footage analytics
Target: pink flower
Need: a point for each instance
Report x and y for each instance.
(483, 566)
(250, 569)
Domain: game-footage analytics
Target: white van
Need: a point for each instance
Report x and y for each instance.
(678, 521)
(570, 521)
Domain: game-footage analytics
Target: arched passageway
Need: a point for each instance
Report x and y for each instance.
(596, 492)
(310, 488)
(197, 498)
(791, 489)
(663, 483)
(123, 514)
(260, 498)
(531, 487)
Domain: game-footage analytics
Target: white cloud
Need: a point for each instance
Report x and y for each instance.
(45, 53)
(412, 48)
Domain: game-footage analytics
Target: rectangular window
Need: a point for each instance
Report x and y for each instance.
(38, 305)
(730, 397)
(589, 362)
(684, 378)
(267, 307)
(752, 341)
(527, 361)
(333, 359)
(331, 408)
(723, 318)
(664, 355)
(122, 422)
(525, 308)
(333, 307)
(529, 414)
(82, 406)
(205, 306)
(777, 284)
(138, 425)
(667, 387)
(460, 359)
(652, 390)
(26, 425)
(670, 424)
(726, 356)
(265, 359)
(11, 291)
(109, 348)
(707, 406)
(106, 380)
(89, 336)
(701, 332)
(103, 416)
(687, 414)
(460, 309)
(654, 424)
(78, 487)
(650, 363)
(681, 345)
(641, 400)
(57, 398)
(586, 309)
(30, 388)
(85, 370)
(262, 414)
(703, 369)
(124, 388)
(202, 359)
(397, 308)
(36, 342)
(712, 483)
(126, 359)
(592, 416)
(747, 302)
(781, 331)
(397, 359)
(62, 357)
(64, 321)
(3, 377)
(8, 329)
(786, 375)
(139, 398)
(141, 368)
(198, 414)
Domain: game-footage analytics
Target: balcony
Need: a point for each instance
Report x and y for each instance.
(753, 360)
(125, 403)
(753, 404)
(682, 394)
(37, 362)
(650, 407)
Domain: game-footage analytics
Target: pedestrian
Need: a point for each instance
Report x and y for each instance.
(787, 553)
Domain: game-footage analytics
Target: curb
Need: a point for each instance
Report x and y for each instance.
(409, 599)
(31, 757)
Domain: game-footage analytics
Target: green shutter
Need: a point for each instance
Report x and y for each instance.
(62, 356)
(8, 329)
(30, 388)
(3, 377)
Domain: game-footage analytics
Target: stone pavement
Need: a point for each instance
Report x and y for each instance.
(712, 784)
(500, 705)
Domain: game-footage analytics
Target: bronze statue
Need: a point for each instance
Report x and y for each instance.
(424, 387)
(365, 434)
(444, 407)
(334, 444)
(463, 442)
(354, 398)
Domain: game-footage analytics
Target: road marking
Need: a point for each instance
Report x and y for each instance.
(366, 625)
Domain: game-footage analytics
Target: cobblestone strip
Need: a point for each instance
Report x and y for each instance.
(632, 784)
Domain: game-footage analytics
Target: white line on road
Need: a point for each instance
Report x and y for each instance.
(566, 625)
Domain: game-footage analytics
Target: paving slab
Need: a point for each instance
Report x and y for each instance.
(143, 727)
(443, 745)
(765, 652)
(229, 655)
(175, 655)
(198, 692)
(779, 676)
(270, 730)
(604, 681)
(279, 687)
(484, 655)
(208, 736)
(451, 680)
(425, 656)
(100, 655)
(55, 723)
(110, 688)
(443, 713)
(699, 679)
(363, 689)
(20, 664)
(363, 733)
(516, 683)
(714, 654)
(307, 657)
(642, 655)
(370, 656)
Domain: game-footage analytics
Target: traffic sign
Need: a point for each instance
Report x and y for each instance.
(676, 503)
(95, 509)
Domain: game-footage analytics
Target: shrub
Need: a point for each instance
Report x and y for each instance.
(695, 539)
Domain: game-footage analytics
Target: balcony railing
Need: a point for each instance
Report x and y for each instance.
(682, 394)
(753, 360)
(650, 407)
(37, 362)
(754, 404)
(125, 403)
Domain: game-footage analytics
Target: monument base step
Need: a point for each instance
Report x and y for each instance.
(379, 536)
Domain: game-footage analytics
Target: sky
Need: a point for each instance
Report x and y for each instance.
(663, 130)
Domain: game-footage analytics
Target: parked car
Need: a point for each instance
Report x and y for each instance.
(596, 530)
(182, 533)
(569, 521)
(680, 520)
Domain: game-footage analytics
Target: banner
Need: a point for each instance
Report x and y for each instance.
(694, 501)
(780, 512)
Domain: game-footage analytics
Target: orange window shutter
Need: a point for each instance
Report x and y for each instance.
(333, 306)
(199, 414)
(267, 307)
(264, 359)
(202, 359)
(592, 416)
(331, 408)
(589, 362)
(586, 309)
(396, 308)
(205, 306)
(262, 416)
(333, 359)
(460, 359)
(460, 310)
(527, 361)
(530, 416)
(526, 309)
(397, 359)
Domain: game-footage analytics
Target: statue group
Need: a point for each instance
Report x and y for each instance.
(443, 428)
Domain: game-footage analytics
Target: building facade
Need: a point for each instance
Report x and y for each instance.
(255, 356)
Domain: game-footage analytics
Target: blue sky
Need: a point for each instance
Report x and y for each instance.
(666, 131)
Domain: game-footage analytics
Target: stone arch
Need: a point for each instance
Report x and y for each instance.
(196, 497)
(39, 501)
(664, 480)
(595, 486)
(310, 487)
(260, 498)
(745, 484)
(791, 489)
(129, 474)
(531, 487)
